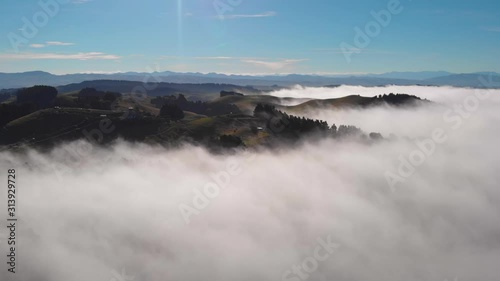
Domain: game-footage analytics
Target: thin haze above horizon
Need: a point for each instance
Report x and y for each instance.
(249, 37)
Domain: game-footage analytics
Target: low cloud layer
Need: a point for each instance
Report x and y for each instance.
(115, 213)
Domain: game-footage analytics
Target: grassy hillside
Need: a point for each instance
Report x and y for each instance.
(208, 129)
(349, 101)
(248, 103)
(51, 125)
(43, 125)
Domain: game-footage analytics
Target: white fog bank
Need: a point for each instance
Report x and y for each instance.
(122, 212)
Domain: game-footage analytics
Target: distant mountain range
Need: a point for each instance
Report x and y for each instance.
(432, 78)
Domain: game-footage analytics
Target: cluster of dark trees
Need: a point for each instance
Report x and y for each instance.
(283, 123)
(289, 125)
(198, 107)
(41, 96)
(28, 100)
(172, 112)
(92, 98)
(229, 93)
(12, 111)
(346, 130)
(396, 99)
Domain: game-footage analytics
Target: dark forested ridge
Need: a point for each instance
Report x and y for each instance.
(28, 100)
(360, 102)
(280, 121)
(92, 98)
(291, 126)
(40, 115)
(41, 96)
(198, 107)
(199, 91)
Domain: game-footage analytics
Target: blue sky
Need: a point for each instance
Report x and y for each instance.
(249, 36)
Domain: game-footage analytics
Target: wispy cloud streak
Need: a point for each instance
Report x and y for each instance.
(58, 56)
(261, 15)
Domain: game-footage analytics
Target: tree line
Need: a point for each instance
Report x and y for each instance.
(198, 107)
(396, 99)
(92, 98)
(289, 125)
(28, 100)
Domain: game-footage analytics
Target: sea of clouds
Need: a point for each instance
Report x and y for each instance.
(417, 206)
